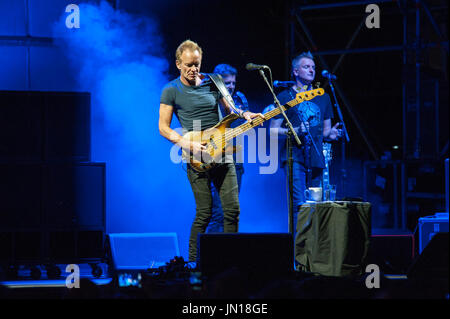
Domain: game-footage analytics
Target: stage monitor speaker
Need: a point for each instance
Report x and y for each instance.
(392, 252)
(268, 253)
(141, 251)
(433, 261)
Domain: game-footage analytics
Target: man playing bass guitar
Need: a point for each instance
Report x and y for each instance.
(194, 99)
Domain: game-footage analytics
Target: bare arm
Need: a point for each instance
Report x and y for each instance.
(225, 105)
(247, 114)
(165, 118)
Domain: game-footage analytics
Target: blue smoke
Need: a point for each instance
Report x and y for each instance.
(119, 59)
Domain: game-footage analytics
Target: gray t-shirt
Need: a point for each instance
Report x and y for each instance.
(193, 103)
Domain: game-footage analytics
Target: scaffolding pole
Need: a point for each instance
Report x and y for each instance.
(417, 46)
(348, 107)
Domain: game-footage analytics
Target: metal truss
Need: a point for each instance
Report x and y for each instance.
(406, 8)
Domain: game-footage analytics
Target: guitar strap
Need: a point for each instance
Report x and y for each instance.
(218, 81)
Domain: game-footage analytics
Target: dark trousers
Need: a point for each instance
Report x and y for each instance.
(299, 172)
(223, 177)
(216, 222)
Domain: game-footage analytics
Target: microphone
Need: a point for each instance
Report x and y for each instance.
(328, 75)
(283, 84)
(252, 67)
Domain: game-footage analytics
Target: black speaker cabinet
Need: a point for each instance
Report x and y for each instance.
(67, 246)
(392, 252)
(22, 196)
(60, 196)
(433, 261)
(53, 211)
(21, 126)
(75, 195)
(269, 253)
(67, 133)
(44, 126)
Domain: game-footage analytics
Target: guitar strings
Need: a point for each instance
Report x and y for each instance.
(246, 126)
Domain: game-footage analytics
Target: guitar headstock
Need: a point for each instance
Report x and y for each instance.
(308, 95)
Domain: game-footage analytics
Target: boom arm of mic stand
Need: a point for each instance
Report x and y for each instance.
(289, 125)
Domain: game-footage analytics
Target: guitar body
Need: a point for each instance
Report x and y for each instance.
(216, 144)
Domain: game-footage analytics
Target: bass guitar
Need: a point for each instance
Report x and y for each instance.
(217, 139)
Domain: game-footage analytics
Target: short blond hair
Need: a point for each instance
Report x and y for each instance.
(187, 45)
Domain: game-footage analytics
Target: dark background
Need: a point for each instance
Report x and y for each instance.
(146, 192)
(238, 32)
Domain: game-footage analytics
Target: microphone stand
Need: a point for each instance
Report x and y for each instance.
(347, 138)
(307, 152)
(307, 149)
(292, 132)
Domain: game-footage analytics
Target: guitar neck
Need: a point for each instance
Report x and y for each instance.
(300, 97)
(249, 125)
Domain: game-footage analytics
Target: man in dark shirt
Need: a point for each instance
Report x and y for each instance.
(313, 116)
(229, 75)
(195, 100)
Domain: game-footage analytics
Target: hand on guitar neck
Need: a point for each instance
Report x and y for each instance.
(249, 116)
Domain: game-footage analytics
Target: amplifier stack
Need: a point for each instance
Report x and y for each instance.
(52, 207)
